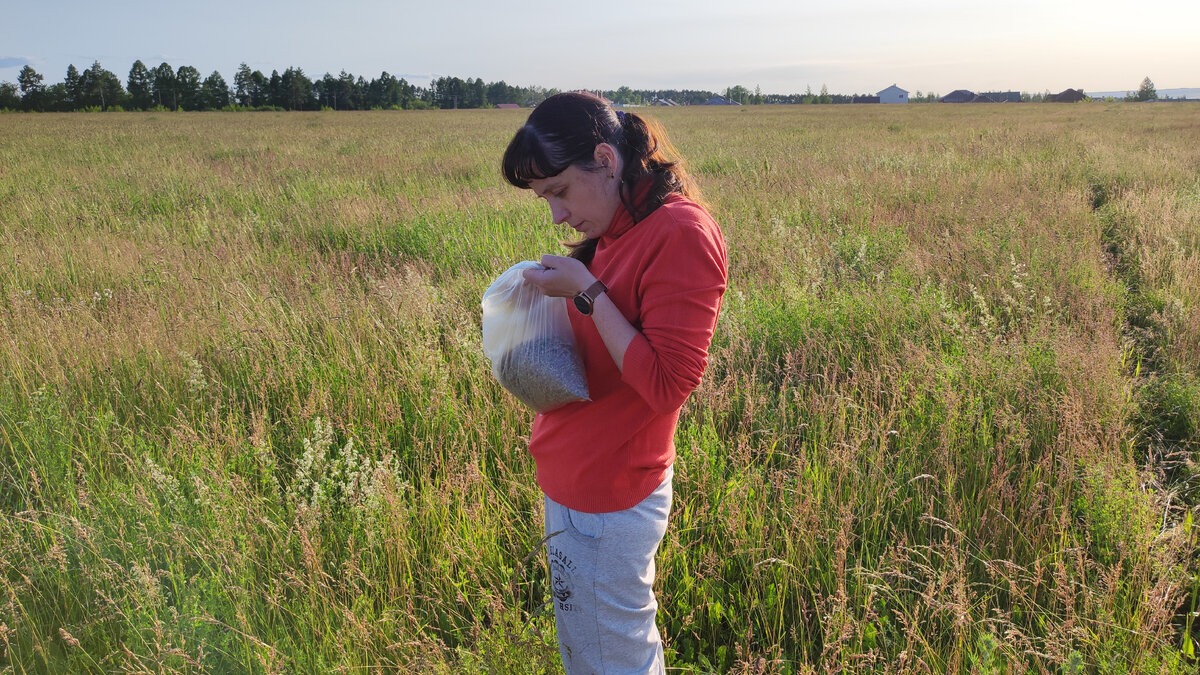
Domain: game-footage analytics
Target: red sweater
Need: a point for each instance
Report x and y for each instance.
(667, 275)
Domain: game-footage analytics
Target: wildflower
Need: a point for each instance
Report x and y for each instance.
(986, 320)
(196, 382)
(147, 583)
(345, 479)
(201, 498)
(167, 485)
(311, 467)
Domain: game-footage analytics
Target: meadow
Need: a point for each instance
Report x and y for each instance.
(950, 423)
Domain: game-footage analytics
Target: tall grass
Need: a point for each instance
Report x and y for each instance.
(950, 422)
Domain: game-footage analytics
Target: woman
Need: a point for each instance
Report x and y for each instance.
(645, 285)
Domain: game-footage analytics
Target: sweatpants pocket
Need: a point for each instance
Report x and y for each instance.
(588, 528)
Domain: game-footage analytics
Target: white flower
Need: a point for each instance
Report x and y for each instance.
(196, 382)
(167, 485)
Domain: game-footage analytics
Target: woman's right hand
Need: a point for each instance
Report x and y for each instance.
(563, 277)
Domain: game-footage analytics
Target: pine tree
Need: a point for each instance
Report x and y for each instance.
(72, 91)
(259, 89)
(187, 83)
(140, 85)
(165, 94)
(100, 88)
(243, 83)
(276, 96)
(348, 90)
(214, 92)
(31, 85)
(478, 93)
(295, 90)
(1146, 92)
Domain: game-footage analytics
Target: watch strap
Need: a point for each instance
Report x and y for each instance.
(585, 300)
(595, 290)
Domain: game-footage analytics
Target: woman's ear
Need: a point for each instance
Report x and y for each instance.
(606, 156)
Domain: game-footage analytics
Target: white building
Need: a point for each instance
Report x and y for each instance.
(893, 94)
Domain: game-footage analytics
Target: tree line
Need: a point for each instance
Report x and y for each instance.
(184, 88)
(167, 88)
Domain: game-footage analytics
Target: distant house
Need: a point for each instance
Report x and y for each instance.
(958, 96)
(507, 105)
(965, 96)
(720, 100)
(893, 94)
(865, 99)
(1068, 96)
(1003, 96)
(663, 101)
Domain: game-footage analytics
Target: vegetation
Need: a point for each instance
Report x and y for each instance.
(950, 422)
(163, 87)
(1146, 92)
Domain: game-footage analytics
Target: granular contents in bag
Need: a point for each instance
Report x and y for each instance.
(543, 373)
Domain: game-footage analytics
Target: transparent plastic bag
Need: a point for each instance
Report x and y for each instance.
(528, 338)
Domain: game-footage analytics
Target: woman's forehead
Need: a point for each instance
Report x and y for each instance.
(541, 186)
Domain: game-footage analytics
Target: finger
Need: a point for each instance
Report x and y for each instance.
(552, 261)
(532, 276)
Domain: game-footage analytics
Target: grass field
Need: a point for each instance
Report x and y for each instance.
(950, 422)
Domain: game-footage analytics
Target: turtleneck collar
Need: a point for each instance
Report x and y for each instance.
(623, 220)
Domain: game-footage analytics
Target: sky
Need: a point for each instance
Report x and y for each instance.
(849, 46)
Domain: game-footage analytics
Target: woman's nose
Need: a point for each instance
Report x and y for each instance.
(558, 213)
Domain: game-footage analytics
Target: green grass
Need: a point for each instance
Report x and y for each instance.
(950, 422)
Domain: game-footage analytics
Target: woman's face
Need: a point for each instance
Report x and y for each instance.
(585, 200)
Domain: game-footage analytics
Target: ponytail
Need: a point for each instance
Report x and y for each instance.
(650, 156)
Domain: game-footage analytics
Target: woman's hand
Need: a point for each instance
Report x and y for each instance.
(565, 278)
(562, 278)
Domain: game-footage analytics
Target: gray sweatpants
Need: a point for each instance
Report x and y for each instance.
(602, 576)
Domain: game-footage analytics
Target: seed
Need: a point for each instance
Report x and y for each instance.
(543, 373)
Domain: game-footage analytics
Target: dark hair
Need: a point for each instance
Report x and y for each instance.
(564, 131)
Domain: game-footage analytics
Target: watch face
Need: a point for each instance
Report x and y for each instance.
(581, 303)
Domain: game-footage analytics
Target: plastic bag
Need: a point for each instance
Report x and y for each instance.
(527, 336)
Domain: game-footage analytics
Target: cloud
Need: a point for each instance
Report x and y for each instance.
(13, 62)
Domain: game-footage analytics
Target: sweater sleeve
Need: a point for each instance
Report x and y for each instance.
(680, 292)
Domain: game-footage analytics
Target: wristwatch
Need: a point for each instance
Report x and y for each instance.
(585, 300)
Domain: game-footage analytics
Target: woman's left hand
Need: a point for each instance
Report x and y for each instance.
(562, 278)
